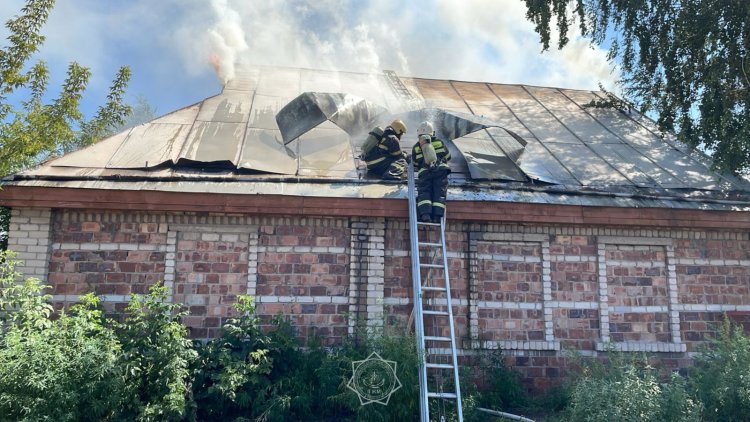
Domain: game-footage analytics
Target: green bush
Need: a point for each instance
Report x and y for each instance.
(156, 359)
(231, 378)
(628, 389)
(391, 344)
(721, 375)
(505, 388)
(65, 369)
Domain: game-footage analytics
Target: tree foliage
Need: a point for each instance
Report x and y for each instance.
(36, 128)
(687, 61)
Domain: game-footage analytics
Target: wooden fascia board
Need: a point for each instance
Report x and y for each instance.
(477, 211)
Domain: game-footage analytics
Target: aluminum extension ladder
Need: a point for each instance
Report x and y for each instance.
(432, 300)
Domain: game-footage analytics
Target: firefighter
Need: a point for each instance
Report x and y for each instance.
(430, 156)
(386, 160)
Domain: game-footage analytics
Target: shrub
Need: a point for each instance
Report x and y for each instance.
(231, 378)
(62, 370)
(628, 389)
(391, 344)
(156, 358)
(721, 375)
(505, 389)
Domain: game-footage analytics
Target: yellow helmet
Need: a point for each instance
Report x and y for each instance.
(398, 126)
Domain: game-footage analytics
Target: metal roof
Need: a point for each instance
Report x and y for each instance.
(277, 125)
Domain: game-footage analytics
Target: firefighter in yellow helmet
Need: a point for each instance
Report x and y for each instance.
(386, 160)
(430, 156)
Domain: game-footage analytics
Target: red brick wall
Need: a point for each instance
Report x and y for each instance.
(637, 277)
(210, 271)
(710, 271)
(113, 259)
(308, 264)
(533, 289)
(510, 272)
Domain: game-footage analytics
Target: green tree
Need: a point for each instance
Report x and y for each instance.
(35, 129)
(141, 112)
(685, 61)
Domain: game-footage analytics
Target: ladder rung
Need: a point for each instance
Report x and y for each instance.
(439, 365)
(441, 395)
(431, 265)
(433, 289)
(436, 338)
(426, 312)
(434, 245)
(428, 224)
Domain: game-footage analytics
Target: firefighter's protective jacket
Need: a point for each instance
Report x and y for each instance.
(443, 156)
(387, 151)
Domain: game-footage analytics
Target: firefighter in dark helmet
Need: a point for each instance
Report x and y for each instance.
(430, 157)
(385, 159)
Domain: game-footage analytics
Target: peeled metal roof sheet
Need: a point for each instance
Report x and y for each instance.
(215, 143)
(485, 160)
(326, 153)
(264, 151)
(567, 144)
(354, 115)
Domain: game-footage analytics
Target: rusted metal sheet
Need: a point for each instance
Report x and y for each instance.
(440, 94)
(475, 93)
(503, 116)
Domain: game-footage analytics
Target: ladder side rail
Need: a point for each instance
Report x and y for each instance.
(459, 409)
(417, 284)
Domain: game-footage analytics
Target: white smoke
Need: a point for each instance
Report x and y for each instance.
(479, 40)
(226, 40)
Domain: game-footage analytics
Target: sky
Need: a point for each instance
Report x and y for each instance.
(182, 51)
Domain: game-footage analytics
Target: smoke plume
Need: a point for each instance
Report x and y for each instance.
(478, 40)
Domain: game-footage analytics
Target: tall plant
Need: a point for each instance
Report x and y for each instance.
(65, 369)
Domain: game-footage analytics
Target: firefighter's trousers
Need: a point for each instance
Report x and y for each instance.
(432, 188)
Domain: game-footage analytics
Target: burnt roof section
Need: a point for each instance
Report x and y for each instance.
(286, 125)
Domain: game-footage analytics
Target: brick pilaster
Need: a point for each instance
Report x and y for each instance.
(29, 237)
(367, 272)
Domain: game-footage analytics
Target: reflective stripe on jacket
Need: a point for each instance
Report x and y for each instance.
(389, 146)
(443, 155)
